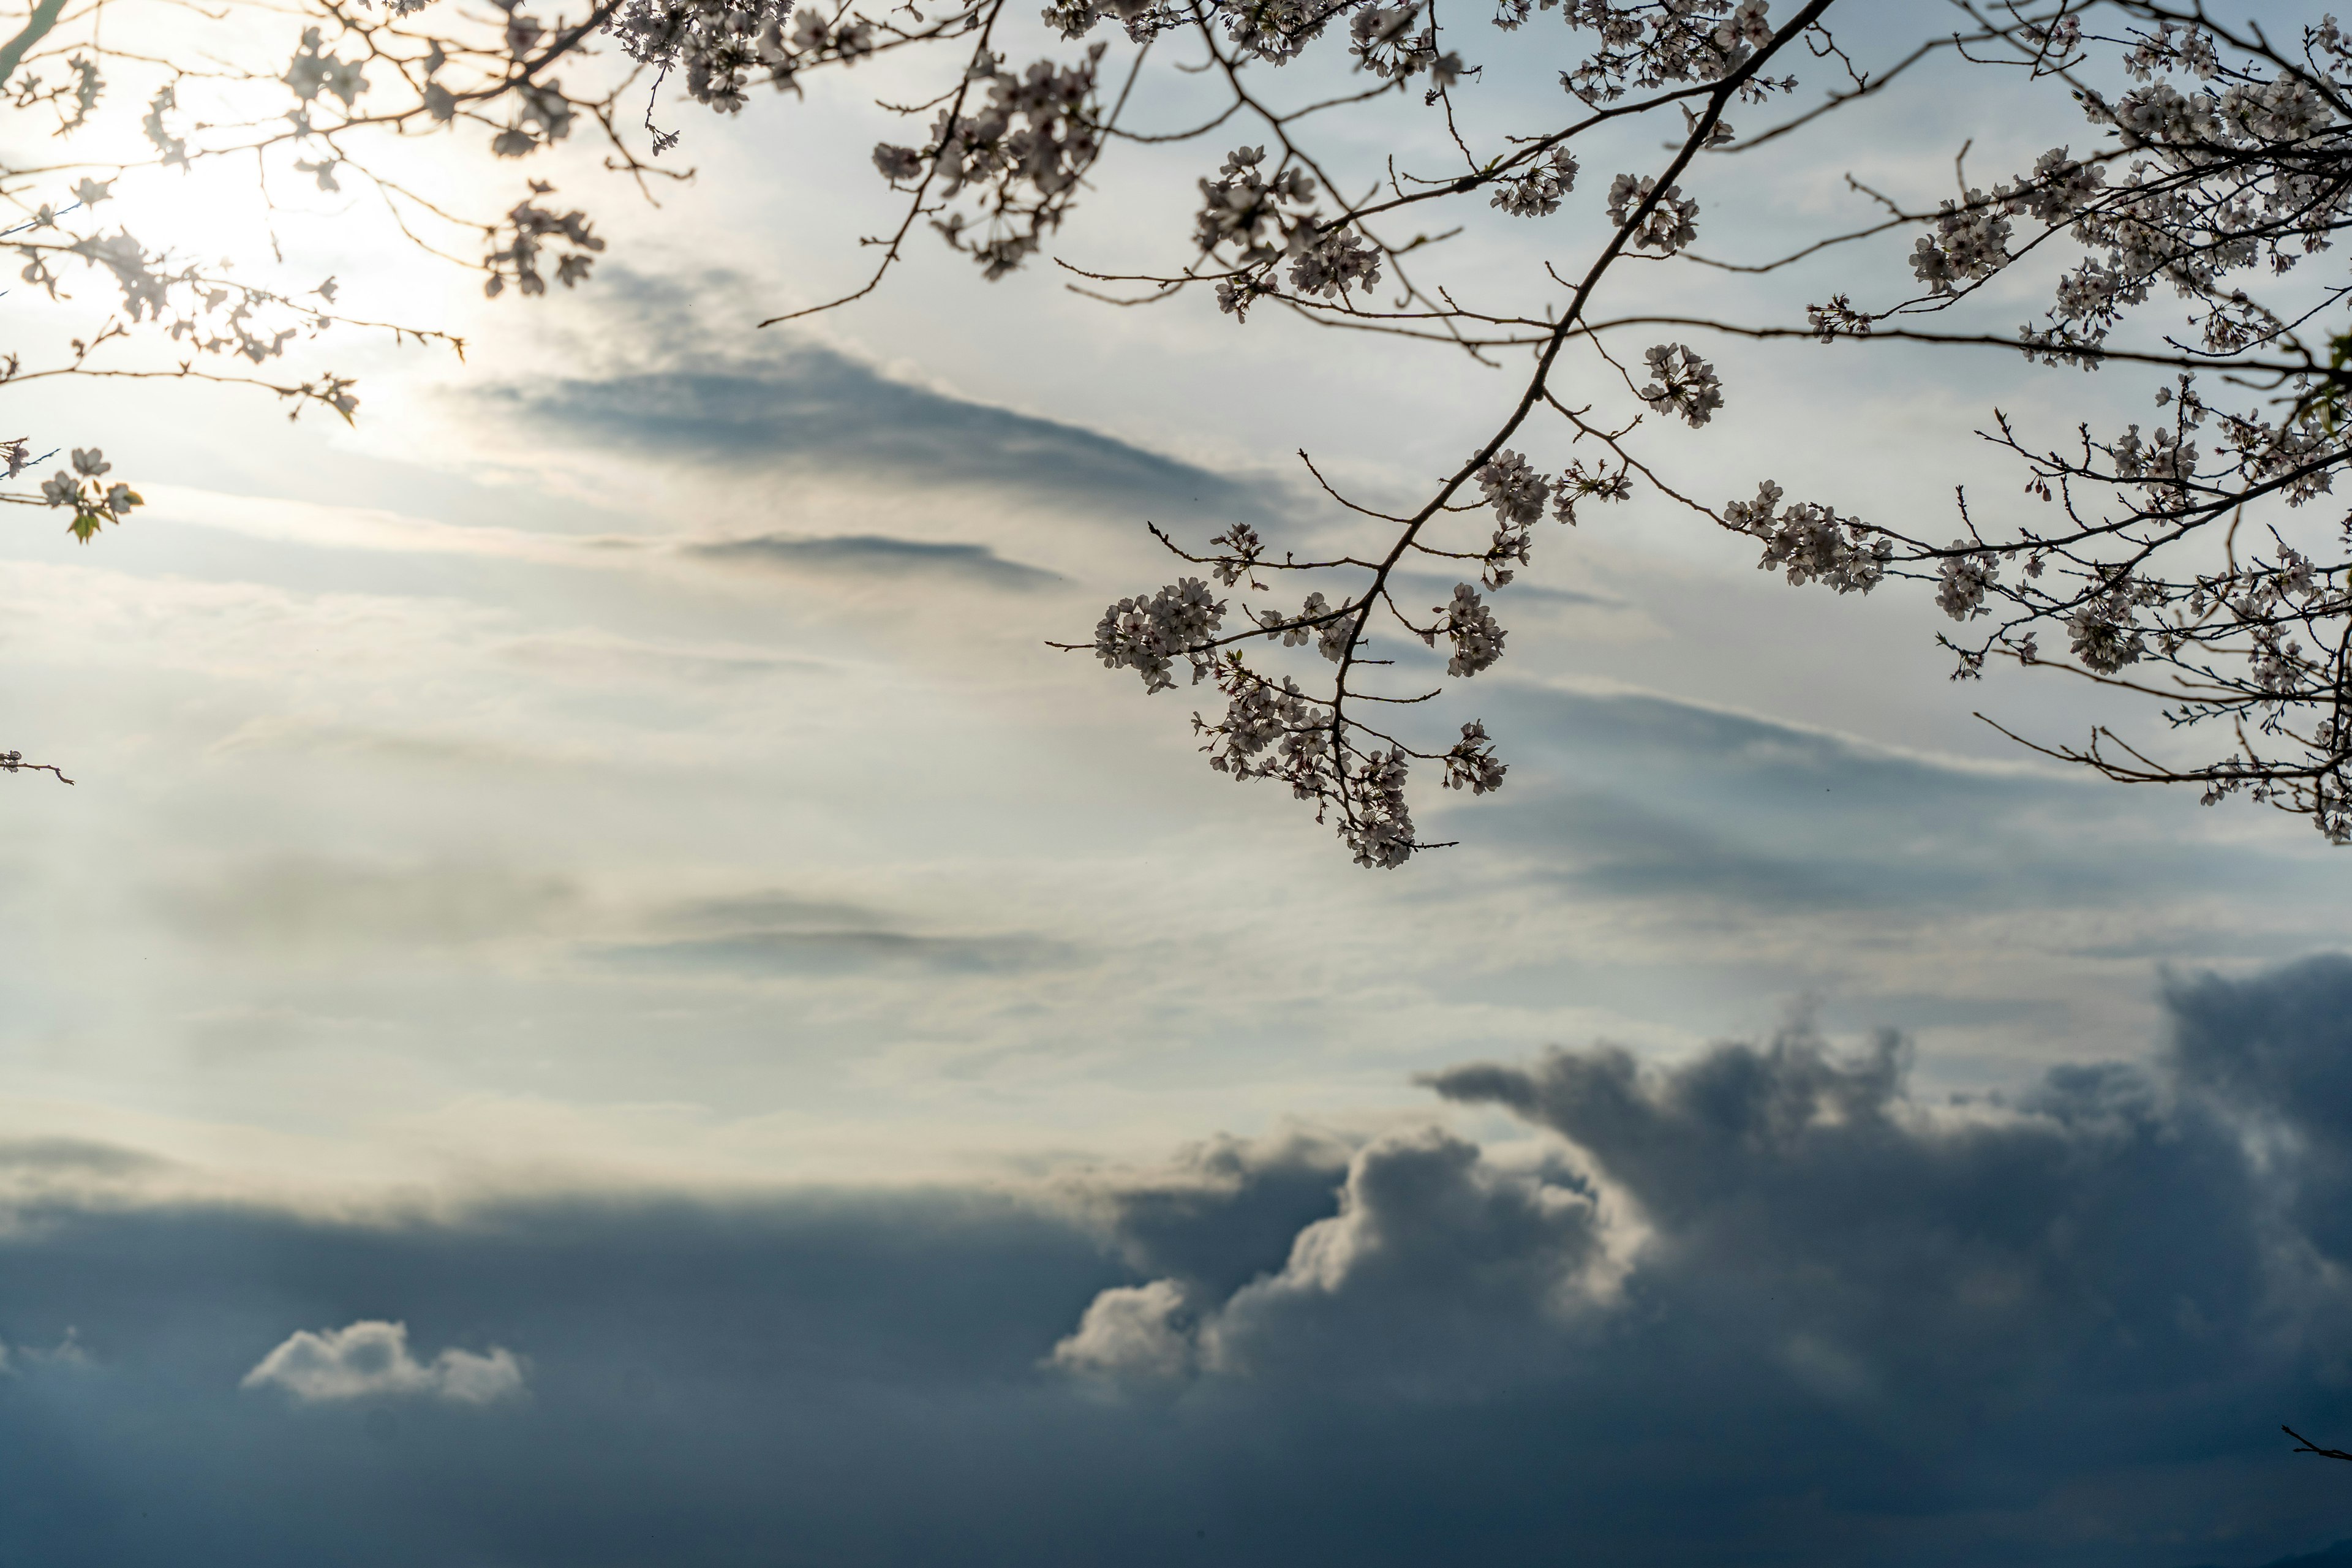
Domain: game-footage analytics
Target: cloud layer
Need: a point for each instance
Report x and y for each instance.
(1764, 1305)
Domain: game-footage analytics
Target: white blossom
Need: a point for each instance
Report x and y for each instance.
(1469, 626)
(1969, 243)
(1381, 833)
(2102, 634)
(1537, 192)
(1513, 488)
(1682, 383)
(1810, 544)
(1667, 226)
(1471, 763)
(1332, 261)
(1148, 635)
(1962, 581)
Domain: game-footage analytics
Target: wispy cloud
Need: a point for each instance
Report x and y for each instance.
(311, 902)
(877, 557)
(812, 408)
(818, 953)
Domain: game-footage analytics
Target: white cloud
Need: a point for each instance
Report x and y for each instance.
(372, 1357)
(1131, 1332)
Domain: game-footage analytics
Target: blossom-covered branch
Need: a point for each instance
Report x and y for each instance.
(2183, 560)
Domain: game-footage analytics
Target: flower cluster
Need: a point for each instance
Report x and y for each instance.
(1647, 46)
(1268, 730)
(1667, 226)
(2103, 633)
(1148, 635)
(531, 229)
(95, 503)
(1246, 209)
(1272, 730)
(1682, 383)
(1812, 543)
(1469, 626)
(1143, 19)
(1510, 485)
(1579, 483)
(1276, 31)
(1384, 41)
(1537, 192)
(1332, 261)
(1963, 579)
(1022, 150)
(1969, 243)
(2230, 173)
(717, 46)
(1513, 488)
(1260, 220)
(1380, 831)
(315, 70)
(1332, 628)
(1471, 763)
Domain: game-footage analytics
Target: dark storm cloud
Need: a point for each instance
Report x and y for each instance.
(2099, 1235)
(2278, 1051)
(822, 1380)
(1224, 1211)
(1762, 1306)
(876, 555)
(1899, 1311)
(809, 406)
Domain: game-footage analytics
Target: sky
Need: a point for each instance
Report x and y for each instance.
(600, 996)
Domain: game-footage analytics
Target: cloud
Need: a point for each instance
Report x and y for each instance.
(344, 527)
(1631, 796)
(1799, 1225)
(35, 1172)
(776, 933)
(879, 556)
(813, 407)
(1435, 1261)
(1131, 1332)
(371, 1359)
(599, 659)
(304, 902)
(1439, 585)
(1223, 1212)
(1768, 1304)
(78, 1156)
(768, 909)
(779, 952)
(67, 1353)
(1780, 1251)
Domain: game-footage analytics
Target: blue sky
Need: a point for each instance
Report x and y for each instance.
(596, 867)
